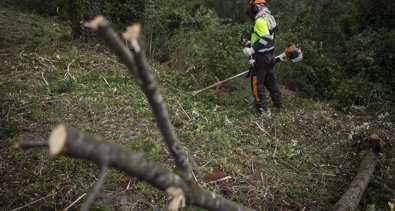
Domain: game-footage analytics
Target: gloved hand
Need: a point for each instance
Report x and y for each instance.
(282, 57)
(245, 43)
(251, 61)
(248, 51)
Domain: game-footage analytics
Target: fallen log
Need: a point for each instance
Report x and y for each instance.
(67, 141)
(351, 198)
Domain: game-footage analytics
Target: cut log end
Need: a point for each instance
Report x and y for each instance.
(132, 35)
(178, 198)
(376, 143)
(96, 22)
(17, 146)
(57, 140)
(132, 32)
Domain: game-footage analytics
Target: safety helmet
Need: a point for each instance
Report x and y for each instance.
(259, 2)
(254, 7)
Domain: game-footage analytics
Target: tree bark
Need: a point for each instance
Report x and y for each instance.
(74, 13)
(92, 9)
(81, 11)
(135, 61)
(351, 198)
(70, 142)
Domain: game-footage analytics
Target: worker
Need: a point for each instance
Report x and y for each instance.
(261, 53)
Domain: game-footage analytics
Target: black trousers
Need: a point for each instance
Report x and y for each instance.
(262, 77)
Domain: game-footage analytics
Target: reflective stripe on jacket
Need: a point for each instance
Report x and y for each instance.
(261, 38)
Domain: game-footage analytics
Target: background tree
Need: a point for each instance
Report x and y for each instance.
(81, 11)
(348, 46)
(348, 59)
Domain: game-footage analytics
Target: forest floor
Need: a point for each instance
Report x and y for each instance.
(301, 158)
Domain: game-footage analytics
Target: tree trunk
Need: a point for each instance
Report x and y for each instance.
(92, 8)
(350, 199)
(81, 11)
(74, 14)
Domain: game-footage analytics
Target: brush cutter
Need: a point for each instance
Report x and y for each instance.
(291, 52)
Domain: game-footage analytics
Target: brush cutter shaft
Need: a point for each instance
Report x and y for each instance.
(220, 82)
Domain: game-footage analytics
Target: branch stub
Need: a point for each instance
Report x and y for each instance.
(57, 139)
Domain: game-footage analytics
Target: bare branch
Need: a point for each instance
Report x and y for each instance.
(151, 90)
(96, 188)
(70, 142)
(218, 180)
(138, 66)
(29, 145)
(42, 76)
(31, 203)
(68, 74)
(189, 118)
(74, 202)
(101, 25)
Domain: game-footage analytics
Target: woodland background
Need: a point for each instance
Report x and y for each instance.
(55, 71)
(348, 46)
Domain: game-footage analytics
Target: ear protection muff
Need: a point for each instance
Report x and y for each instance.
(255, 8)
(252, 10)
(250, 14)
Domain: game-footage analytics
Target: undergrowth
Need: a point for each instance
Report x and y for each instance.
(300, 158)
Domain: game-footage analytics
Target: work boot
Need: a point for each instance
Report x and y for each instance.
(277, 108)
(278, 105)
(264, 112)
